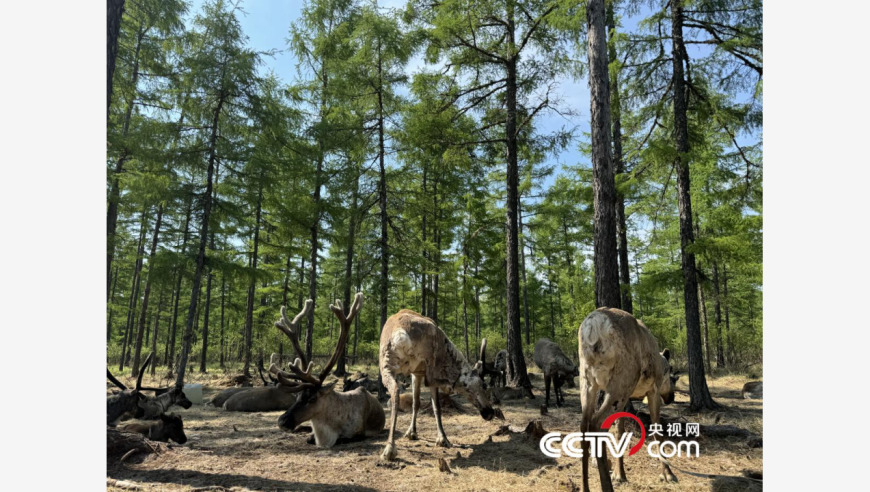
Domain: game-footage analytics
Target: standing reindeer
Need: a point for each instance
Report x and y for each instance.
(413, 344)
(619, 356)
(333, 414)
(556, 366)
(501, 367)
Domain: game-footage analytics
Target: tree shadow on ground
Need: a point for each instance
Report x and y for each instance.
(199, 479)
(518, 454)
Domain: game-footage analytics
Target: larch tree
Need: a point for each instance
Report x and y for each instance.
(607, 292)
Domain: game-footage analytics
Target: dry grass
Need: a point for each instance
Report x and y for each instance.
(240, 451)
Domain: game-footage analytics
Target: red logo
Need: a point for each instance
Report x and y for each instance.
(610, 420)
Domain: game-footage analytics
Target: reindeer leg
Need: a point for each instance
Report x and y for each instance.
(415, 407)
(389, 453)
(547, 390)
(587, 401)
(618, 474)
(654, 401)
(595, 424)
(436, 408)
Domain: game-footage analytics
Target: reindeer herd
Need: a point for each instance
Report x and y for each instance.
(619, 361)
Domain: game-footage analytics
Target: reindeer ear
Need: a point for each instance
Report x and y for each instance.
(666, 354)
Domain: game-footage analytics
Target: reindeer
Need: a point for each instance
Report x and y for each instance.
(260, 399)
(489, 368)
(168, 427)
(126, 403)
(333, 414)
(219, 399)
(619, 356)
(413, 344)
(556, 367)
(501, 367)
(152, 408)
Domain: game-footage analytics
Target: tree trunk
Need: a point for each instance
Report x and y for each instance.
(203, 239)
(424, 301)
(111, 307)
(699, 394)
(115, 193)
(156, 327)
(114, 12)
(170, 361)
(382, 198)
(607, 292)
(252, 287)
(465, 291)
(202, 361)
(147, 293)
(516, 363)
(223, 298)
(619, 165)
(341, 365)
(730, 352)
(717, 309)
(706, 330)
(134, 294)
(523, 267)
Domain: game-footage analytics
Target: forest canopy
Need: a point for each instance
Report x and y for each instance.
(381, 166)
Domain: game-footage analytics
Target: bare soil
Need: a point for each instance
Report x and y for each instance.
(247, 451)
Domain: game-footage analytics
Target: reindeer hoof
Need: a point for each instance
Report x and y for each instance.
(411, 435)
(442, 442)
(614, 477)
(389, 453)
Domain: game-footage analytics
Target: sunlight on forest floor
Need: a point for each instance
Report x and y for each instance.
(247, 451)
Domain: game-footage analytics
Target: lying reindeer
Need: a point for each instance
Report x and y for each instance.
(333, 414)
(152, 408)
(413, 344)
(619, 356)
(126, 403)
(556, 367)
(168, 427)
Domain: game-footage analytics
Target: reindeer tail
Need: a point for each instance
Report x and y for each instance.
(596, 337)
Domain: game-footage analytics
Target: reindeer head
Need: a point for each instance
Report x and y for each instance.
(669, 378)
(470, 385)
(127, 402)
(173, 428)
(315, 397)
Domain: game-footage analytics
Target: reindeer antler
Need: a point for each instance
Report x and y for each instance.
(344, 324)
(482, 356)
(288, 380)
(291, 328)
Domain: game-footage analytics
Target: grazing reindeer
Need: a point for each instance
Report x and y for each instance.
(619, 356)
(413, 344)
(333, 414)
(125, 403)
(168, 427)
(556, 366)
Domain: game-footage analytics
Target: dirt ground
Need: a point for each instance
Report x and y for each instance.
(247, 451)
